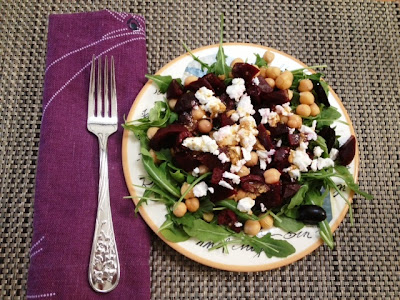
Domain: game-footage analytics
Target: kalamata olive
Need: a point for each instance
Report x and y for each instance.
(311, 214)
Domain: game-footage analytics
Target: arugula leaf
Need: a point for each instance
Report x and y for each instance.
(177, 176)
(173, 232)
(195, 58)
(162, 82)
(143, 200)
(288, 224)
(232, 205)
(321, 143)
(298, 198)
(260, 62)
(220, 67)
(315, 197)
(207, 232)
(326, 233)
(344, 173)
(271, 247)
(325, 118)
(164, 155)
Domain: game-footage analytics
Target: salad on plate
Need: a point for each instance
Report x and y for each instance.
(242, 149)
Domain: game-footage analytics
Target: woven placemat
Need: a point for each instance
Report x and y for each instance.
(359, 40)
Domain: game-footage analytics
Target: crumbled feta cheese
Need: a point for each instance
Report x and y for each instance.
(265, 157)
(211, 190)
(200, 189)
(321, 163)
(201, 143)
(238, 224)
(263, 208)
(245, 204)
(318, 151)
(303, 146)
(334, 153)
(248, 132)
(291, 130)
(293, 172)
(225, 184)
(268, 116)
(209, 102)
(235, 178)
(284, 109)
(236, 167)
(279, 143)
(246, 154)
(223, 158)
(236, 89)
(309, 132)
(301, 160)
(244, 107)
(227, 135)
(196, 172)
(256, 81)
(235, 117)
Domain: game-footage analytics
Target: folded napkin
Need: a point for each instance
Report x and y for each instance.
(68, 165)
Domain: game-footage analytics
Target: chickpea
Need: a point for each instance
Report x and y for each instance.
(208, 216)
(305, 85)
(252, 227)
(179, 210)
(192, 204)
(151, 132)
(198, 113)
(273, 72)
(240, 195)
(230, 75)
(154, 156)
(270, 82)
(244, 171)
(172, 103)
(290, 94)
(184, 187)
(203, 169)
(291, 156)
(190, 79)
(222, 76)
(272, 176)
(204, 126)
(306, 98)
(303, 110)
(284, 81)
(236, 60)
(284, 119)
(254, 159)
(315, 111)
(263, 71)
(266, 221)
(295, 121)
(268, 56)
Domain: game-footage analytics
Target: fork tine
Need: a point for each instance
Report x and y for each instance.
(114, 112)
(106, 108)
(91, 89)
(99, 88)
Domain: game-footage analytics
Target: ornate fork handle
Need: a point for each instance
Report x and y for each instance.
(104, 268)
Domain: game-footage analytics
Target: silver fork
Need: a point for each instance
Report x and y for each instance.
(104, 268)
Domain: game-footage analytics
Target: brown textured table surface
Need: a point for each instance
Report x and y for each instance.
(358, 40)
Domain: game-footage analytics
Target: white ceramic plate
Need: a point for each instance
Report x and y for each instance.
(239, 258)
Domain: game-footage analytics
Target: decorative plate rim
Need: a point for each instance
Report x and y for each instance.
(263, 267)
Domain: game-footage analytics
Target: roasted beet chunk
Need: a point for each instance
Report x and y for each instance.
(212, 162)
(229, 103)
(254, 92)
(281, 158)
(186, 103)
(329, 136)
(264, 87)
(185, 160)
(217, 84)
(321, 95)
(347, 151)
(228, 218)
(290, 189)
(245, 71)
(175, 90)
(275, 98)
(272, 198)
(279, 130)
(294, 139)
(195, 85)
(220, 193)
(264, 137)
(166, 137)
(217, 175)
(223, 120)
(253, 184)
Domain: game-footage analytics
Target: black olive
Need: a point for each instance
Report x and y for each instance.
(311, 214)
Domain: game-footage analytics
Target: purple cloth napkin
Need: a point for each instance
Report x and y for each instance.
(68, 165)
